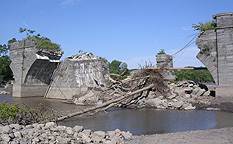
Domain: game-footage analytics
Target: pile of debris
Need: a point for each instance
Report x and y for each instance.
(85, 56)
(183, 95)
(145, 88)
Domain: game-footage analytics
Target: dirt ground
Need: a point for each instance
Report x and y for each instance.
(213, 136)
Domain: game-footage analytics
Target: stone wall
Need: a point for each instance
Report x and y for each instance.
(208, 52)
(164, 60)
(32, 68)
(76, 75)
(216, 53)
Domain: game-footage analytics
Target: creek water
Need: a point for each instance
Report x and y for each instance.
(137, 121)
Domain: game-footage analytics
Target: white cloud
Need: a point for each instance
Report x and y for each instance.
(185, 28)
(67, 2)
(188, 58)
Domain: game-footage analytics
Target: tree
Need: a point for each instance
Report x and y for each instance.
(196, 75)
(117, 67)
(5, 71)
(114, 66)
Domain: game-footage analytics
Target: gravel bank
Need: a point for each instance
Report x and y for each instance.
(213, 136)
(51, 133)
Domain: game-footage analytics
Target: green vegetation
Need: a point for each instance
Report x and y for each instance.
(103, 59)
(12, 113)
(209, 25)
(196, 75)
(161, 52)
(117, 67)
(205, 50)
(43, 42)
(5, 71)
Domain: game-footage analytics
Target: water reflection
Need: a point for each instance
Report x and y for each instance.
(151, 121)
(141, 121)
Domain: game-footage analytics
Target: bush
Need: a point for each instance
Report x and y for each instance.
(46, 44)
(43, 42)
(161, 52)
(12, 113)
(209, 25)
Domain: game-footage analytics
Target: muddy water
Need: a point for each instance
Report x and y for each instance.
(141, 121)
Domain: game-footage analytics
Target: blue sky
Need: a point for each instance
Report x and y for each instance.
(132, 31)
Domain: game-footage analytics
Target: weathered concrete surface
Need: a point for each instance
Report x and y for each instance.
(216, 53)
(32, 68)
(77, 74)
(208, 52)
(164, 60)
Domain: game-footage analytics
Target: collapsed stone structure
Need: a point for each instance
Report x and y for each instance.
(216, 53)
(77, 74)
(40, 73)
(32, 68)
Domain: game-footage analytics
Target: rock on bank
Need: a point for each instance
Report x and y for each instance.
(52, 133)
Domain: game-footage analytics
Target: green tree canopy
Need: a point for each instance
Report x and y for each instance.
(5, 71)
(117, 67)
(196, 75)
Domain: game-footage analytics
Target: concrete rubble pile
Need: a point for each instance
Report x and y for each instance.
(184, 95)
(52, 133)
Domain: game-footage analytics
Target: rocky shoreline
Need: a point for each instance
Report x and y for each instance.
(52, 133)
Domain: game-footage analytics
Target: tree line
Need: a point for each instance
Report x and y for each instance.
(195, 75)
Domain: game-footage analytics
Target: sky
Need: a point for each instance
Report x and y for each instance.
(132, 31)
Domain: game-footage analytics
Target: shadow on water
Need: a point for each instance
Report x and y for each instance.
(140, 121)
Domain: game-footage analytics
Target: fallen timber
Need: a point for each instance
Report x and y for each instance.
(107, 104)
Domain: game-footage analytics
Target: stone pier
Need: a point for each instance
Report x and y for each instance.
(32, 68)
(216, 53)
(164, 60)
